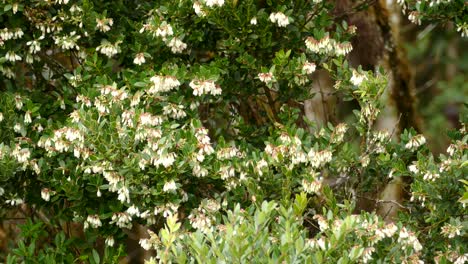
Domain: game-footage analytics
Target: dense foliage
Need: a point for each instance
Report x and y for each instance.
(187, 117)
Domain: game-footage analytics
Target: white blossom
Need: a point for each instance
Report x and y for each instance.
(463, 28)
(318, 159)
(266, 77)
(14, 201)
(108, 48)
(164, 31)
(68, 42)
(451, 231)
(253, 21)
(27, 117)
(34, 46)
(62, 2)
(18, 33)
(124, 194)
(104, 24)
(199, 171)
(390, 229)
(176, 45)
(357, 78)
(367, 254)
(110, 241)
(431, 176)
(6, 34)
(164, 159)
(133, 211)
(200, 221)
(15, 8)
(139, 59)
(279, 18)
(451, 149)
(45, 194)
(413, 168)
(415, 142)
(162, 84)
(147, 119)
(145, 244)
(12, 56)
(365, 160)
(341, 49)
(122, 220)
(201, 87)
(308, 67)
(461, 259)
(311, 187)
(170, 186)
(93, 221)
(197, 7)
(21, 155)
(414, 17)
(17, 127)
(212, 3)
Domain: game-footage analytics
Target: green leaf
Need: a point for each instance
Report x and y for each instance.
(140, 84)
(96, 258)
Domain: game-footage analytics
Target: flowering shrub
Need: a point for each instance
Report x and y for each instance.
(183, 113)
(275, 233)
(437, 10)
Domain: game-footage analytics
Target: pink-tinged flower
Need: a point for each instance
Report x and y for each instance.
(266, 77)
(312, 44)
(308, 67)
(45, 194)
(104, 24)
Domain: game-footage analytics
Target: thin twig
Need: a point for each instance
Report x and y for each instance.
(393, 202)
(377, 201)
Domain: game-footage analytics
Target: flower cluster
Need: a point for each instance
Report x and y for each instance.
(140, 142)
(328, 46)
(357, 78)
(415, 142)
(104, 24)
(319, 158)
(280, 19)
(122, 220)
(109, 49)
(68, 42)
(212, 3)
(311, 186)
(162, 84)
(201, 87)
(202, 218)
(308, 67)
(92, 221)
(166, 33)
